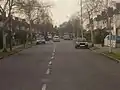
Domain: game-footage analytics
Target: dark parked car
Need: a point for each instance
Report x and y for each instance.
(81, 43)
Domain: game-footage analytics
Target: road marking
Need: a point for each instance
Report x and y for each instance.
(50, 63)
(52, 58)
(44, 87)
(48, 71)
(53, 54)
(54, 51)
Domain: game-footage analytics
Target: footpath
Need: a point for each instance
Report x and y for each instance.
(15, 49)
(115, 55)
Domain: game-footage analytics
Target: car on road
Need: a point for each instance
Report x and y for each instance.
(66, 37)
(81, 43)
(56, 39)
(40, 40)
(50, 37)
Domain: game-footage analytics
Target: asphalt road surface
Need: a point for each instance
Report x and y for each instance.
(59, 66)
(25, 71)
(82, 69)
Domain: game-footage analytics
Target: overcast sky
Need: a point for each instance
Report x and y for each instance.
(62, 9)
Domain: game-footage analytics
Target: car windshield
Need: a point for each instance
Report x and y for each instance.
(40, 38)
(56, 37)
(81, 40)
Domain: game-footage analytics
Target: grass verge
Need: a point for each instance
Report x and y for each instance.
(113, 54)
(9, 53)
(16, 50)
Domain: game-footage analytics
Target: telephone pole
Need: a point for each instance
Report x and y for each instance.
(81, 20)
(109, 27)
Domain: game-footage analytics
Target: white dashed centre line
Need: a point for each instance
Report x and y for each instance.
(48, 71)
(44, 87)
(50, 63)
(53, 51)
(52, 57)
(53, 54)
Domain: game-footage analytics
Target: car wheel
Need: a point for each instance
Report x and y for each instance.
(87, 47)
(43, 42)
(76, 47)
(37, 43)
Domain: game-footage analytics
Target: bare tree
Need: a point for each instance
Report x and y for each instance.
(6, 8)
(33, 10)
(91, 8)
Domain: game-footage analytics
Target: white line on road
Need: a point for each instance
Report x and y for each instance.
(54, 51)
(44, 87)
(54, 48)
(50, 63)
(53, 54)
(52, 57)
(48, 71)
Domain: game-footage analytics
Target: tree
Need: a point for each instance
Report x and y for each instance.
(6, 8)
(72, 26)
(34, 11)
(92, 7)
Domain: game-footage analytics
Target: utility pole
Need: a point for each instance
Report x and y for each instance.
(10, 24)
(109, 27)
(91, 29)
(81, 20)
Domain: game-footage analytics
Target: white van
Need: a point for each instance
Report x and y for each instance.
(115, 41)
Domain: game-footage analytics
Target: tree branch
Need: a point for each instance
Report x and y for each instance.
(6, 4)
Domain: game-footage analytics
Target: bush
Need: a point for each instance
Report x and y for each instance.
(21, 36)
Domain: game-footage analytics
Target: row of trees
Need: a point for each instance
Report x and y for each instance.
(103, 10)
(36, 17)
(93, 10)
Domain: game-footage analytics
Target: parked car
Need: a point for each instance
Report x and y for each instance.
(115, 41)
(66, 37)
(56, 39)
(81, 43)
(49, 37)
(40, 41)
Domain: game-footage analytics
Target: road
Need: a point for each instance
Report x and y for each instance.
(59, 66)
(82, 70)
(25, 71)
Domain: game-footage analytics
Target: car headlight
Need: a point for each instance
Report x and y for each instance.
(86, 43)
(77, 43)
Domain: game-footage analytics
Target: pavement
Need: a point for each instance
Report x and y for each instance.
(59, 66)
(20, 46)
(15, 47)
(101, 49)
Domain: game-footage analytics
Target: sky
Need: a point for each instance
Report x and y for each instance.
(63, 9)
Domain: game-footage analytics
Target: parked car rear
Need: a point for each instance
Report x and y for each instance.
(81, 43)
(66, 37)
(40, 40)
(56, 39)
